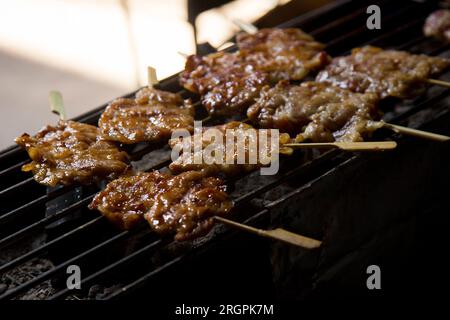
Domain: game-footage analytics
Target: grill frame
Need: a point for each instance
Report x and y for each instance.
(314, 169)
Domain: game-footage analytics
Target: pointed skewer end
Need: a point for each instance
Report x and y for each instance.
(56, 104)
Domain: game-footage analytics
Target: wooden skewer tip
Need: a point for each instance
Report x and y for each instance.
(151, 77)
(56, 104)
(441, 83)
(278, 234)
(347, 146)
(245, 26)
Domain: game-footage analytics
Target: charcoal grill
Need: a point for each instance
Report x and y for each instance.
(367, 208)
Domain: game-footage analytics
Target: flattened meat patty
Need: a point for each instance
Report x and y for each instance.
(218, 150)
(225, 81)
(183, 205)
(285, 54)
(151, 117)
(388, 73)
(72, 152)
(318, 112)
(187, 203)
(230, 82)
(125, 200)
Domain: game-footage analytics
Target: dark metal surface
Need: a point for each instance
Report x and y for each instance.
(318, 195)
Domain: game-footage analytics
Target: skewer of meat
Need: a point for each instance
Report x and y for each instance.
(321, 112)
(195, 151)
(288, 120)
(387, 73)
(152, 116)
(230, 82)
(185, 205)
(71, 152)
(401, 73)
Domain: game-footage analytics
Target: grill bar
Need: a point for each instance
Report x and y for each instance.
(44, 276)
(16, 187)
(48, 245)
(13, 168)
(140, 282)
(38, 201)
(41, 223)
(112, 267)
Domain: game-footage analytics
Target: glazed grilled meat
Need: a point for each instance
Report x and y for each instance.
(230, 82)
(318, 112)
(189, 161)
(71, 153)
(285, 54)
(388, 73)
(438, 25)
(186, 204)
(125, 200)
(183, 204)
(227, 84)
(151, 117)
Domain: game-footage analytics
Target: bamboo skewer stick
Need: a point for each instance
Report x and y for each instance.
(152, 79)
(56, 104)
(415, 132)
(245, 26)
(347, 146)
(441, 83)
(278, 234)
(183, 54)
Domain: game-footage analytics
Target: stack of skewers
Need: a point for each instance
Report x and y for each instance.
(261, 80)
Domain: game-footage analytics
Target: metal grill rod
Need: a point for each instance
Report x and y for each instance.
(46, 275)
(41, 223)
(48, 245)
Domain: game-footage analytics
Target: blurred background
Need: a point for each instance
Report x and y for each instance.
(95, 50)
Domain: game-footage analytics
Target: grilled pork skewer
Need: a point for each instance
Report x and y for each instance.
(187, 161)
(72, 152)
(182, 204)
(388, 73)
(385, 72)
(227, 162)
(229, 82)
(185, 205)
(320, 112)
(151, 116)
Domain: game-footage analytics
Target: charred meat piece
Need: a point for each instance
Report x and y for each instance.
(183, 204)
(70, 153)
(227, 84)
(318, 112)
(285, 54)
(151, 117)
(214, 157)
(125, 200)
(186, 204)
(230, 82)
(438, 25)
(388, 73)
